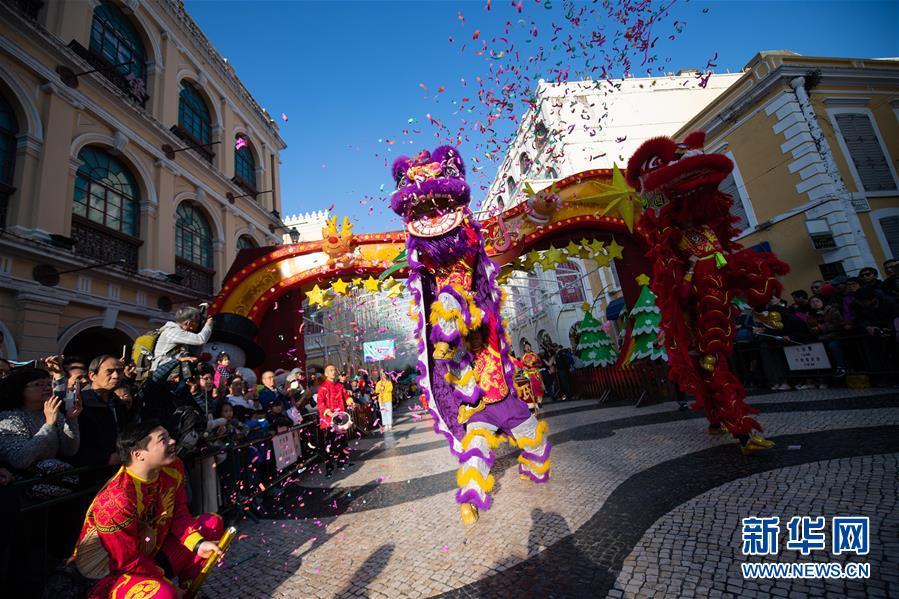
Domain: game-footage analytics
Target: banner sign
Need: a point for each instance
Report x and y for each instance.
(285, 450)
(376, 351)
(812, 356)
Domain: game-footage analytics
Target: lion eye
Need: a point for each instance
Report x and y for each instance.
(653, 163)
(451, 170)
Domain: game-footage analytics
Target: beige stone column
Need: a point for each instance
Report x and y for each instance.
(28, 154)
(276, 182)
(165, 106)
(162, 255)
(230, 224)
(226, 148)
(149, 233)
(50, 208)
(71, 20)
(37, 317)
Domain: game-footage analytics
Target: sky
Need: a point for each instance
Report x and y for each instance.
(360, 82)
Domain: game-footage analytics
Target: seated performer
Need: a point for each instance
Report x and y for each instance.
(138, 533)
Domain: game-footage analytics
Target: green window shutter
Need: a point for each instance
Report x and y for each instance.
(865, 152)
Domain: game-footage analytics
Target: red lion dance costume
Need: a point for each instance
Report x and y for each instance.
(697, 271)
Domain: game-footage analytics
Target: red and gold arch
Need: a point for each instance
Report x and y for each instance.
(268, 284)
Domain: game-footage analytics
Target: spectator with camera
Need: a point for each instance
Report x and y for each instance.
(179, 336)
(197, 389)
(36, 427)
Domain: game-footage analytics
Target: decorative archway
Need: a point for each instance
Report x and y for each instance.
(267, 284)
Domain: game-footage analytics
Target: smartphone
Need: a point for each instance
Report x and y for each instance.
(28, 364)
(73, 394)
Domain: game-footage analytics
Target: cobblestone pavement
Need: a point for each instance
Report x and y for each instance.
(642, 503)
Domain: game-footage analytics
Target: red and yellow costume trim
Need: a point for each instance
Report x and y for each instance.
(129, 523)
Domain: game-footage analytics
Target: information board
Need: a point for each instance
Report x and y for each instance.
(811, 356)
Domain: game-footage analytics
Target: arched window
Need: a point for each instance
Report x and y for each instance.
(193, 236)
(540, 134)
(194, 122)
(510, 185)
(114, 40)
(524, 163)
(106, 192)
(244, 163)
(9, 129)
(571, 288)
(245, 241)
(551, 173)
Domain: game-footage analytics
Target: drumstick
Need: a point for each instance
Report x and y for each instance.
(211, 562)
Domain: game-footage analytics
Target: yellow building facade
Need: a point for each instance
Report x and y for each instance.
(815, 143)
(126, 138)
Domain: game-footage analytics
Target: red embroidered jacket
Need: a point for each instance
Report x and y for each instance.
(331, 396)
(128, 521)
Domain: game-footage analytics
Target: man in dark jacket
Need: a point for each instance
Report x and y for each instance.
(876, 316)
(103, 415)
(873, 312)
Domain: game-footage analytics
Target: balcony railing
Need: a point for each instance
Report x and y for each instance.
(30, 8)
(194, 276)
(245, 185)
(205, 152)
(102, 243)
(131, 86)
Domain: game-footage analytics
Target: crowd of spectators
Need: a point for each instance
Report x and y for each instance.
(61, 417)
(854, 318)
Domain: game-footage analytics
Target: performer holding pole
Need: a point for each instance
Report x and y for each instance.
(138, 533)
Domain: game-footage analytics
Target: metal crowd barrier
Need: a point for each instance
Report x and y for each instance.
(867, 359)
(643, 382)
(224, 477)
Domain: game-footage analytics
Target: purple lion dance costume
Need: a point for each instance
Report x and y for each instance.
(463, 353)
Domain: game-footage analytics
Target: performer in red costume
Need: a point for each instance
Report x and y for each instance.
(138, 533)
(697, 271)
(332, 400)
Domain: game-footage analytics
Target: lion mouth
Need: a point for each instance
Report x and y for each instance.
(430, 225)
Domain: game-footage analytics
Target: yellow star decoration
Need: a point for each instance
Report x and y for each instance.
(643, 280)
(531, 258)
(584, 241)
(357, 281)
(597, 246)
(572, 248)
(586, 306)
(614, 250)
(602, 259)
(395, 291)
(616, 195)
(372, 284)
(551, 257)
(316, 296)
(339, 287)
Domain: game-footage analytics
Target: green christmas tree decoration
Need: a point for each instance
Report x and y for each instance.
(645, 332)
(595, 347)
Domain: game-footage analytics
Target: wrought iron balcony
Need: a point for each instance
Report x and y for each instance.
(194, 276)
(205, 151)
(133, 87)
(102, 243)
(30, 8)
